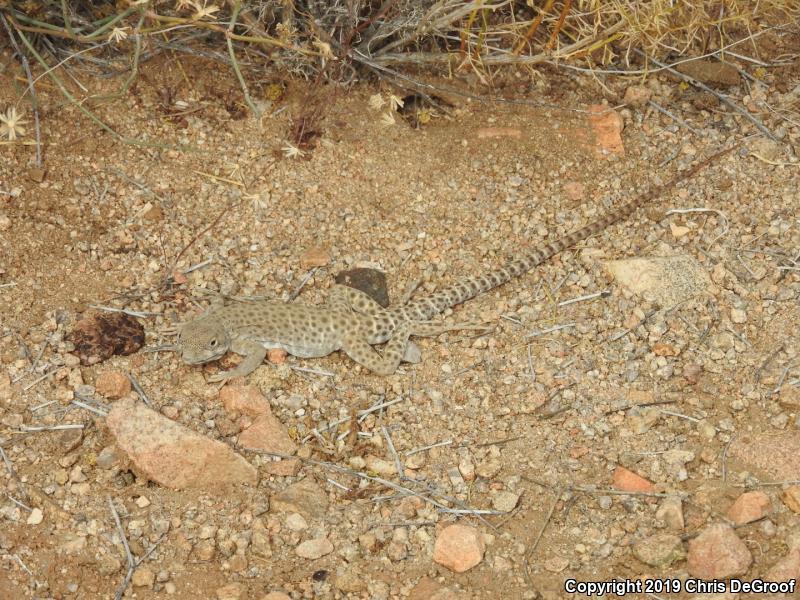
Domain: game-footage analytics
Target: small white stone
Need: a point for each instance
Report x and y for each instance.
(296, 522)
(738, 315)
(36, 517)
(142, 502)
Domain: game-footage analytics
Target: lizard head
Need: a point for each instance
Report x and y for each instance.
(202, 340)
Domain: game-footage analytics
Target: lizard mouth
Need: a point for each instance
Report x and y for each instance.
(200, 360)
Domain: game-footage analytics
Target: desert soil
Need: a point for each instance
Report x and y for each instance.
(537, 421)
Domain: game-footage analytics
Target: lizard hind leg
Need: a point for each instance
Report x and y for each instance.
(357, 348)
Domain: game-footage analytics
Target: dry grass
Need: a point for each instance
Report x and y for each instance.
(309, 36)
(341, 40)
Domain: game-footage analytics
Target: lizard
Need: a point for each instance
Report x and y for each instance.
(353, 322)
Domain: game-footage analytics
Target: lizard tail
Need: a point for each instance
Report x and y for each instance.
(426, 308)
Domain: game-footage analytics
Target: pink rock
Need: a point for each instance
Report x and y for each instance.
(491, 132)
(574, 190)
(637, 95)
(785, 569)
(606, 125)
(774, 454)
(172, 455)
(113, 385)
(718, 553)
(628, 481)
(268, 434)
(277, 356)
(459, 547)
(749, 507)
(245, 399)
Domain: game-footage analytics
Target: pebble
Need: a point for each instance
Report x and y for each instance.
(791, 498)
(459, 547)
(113, 385)
(556, 564)
(296, 522)
(381, 467)
(107, 458)
(738, 315)
(143, 577)
(313, 549)
(504, 500)
(315, 257)
(637, 95)
(488, 469)
(275, 596)
(35, 517)
(671, 512)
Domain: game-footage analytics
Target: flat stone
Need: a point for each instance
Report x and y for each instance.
(231, 591)
(714, 72)
(304, 497)
(370, 281)
(628, 481)
(430, 589)
(665, 280)
(659, 550)
(172, 455)
(315, 257)
(267, 434)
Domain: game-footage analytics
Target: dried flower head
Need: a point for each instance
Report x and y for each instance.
(11, 124)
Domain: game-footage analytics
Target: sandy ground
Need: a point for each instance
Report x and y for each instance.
(531, 415)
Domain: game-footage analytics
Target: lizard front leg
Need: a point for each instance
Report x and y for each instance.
(254, 354)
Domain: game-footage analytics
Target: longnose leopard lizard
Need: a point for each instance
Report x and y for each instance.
(352, 322)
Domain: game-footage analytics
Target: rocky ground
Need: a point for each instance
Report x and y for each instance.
(634, 412)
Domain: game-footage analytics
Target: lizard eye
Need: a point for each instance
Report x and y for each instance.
(213, 343)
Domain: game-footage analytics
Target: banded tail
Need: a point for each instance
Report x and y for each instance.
(423, 309)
